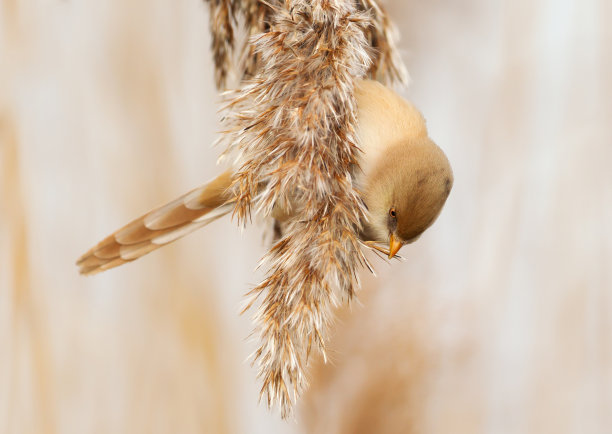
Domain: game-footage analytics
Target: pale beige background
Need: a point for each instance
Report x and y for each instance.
(499, 321)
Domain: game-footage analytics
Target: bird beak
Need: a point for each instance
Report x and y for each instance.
(394, 246)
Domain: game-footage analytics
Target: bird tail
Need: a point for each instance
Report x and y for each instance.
(161, 226)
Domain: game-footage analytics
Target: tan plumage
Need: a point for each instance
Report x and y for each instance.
(160, 226)
(402, 172)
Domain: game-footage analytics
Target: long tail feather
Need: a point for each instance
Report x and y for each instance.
(161, 226)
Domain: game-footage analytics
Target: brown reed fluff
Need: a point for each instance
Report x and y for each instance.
(292, 129)
(252, 17)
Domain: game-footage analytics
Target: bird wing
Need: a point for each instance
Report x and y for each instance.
(161, 226)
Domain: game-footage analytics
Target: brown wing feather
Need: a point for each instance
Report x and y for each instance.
(160, 226)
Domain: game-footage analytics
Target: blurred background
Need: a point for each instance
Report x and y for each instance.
(499, 320)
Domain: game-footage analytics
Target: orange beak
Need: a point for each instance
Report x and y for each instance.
(394, 246)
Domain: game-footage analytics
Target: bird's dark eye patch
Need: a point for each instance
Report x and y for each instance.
(392, 213)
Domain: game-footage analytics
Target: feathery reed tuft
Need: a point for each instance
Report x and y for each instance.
(222, 32)
(387, 66)
(253, 17)
(292, 129)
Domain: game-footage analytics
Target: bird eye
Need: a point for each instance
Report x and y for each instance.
(392, 212)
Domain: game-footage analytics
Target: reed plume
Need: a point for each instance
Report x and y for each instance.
(291, 127)
(223, 38)
(228, 18)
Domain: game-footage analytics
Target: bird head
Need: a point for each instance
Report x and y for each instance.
(406, 191)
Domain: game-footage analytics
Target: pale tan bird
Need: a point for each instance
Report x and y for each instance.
(404, 177)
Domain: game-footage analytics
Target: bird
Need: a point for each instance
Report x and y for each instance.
(403, 178)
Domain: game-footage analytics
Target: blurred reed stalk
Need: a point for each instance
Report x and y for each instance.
(27, 340)
(26, 336)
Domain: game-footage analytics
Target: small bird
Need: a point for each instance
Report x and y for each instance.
(403, 176)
